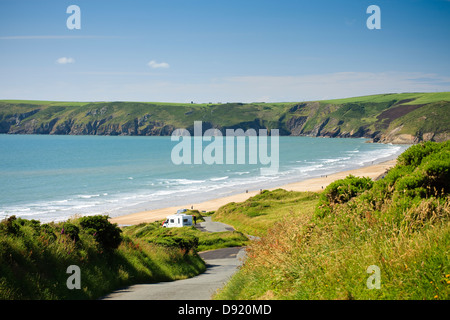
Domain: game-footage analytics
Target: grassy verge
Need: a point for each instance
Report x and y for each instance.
(34, 258)
(256, 215)
(188, 237)
(399, 224)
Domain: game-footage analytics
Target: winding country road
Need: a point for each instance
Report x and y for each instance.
(221, 264)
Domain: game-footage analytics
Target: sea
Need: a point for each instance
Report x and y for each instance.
(57, 177)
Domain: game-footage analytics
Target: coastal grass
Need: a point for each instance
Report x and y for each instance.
(400, 224)
(189, 237)
(34, 258)
(413, 97)
(299, 260)
(258, 214)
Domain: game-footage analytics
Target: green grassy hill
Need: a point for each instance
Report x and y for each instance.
(322, 247)
(398, 118)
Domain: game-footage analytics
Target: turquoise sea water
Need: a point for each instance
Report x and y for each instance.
(51, 178)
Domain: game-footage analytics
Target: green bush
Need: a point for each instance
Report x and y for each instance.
(422, 173)
(423, 170)
(341, 191)
(71, 230)
(400, 223)
(414, 155)
(438, 175)
(183, 238)
(10, 226)
(34, 259)
(47, 232)
(186, 243)
(13, 225)
(106, 234)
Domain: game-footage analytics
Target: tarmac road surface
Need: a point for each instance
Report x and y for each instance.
(221, 265)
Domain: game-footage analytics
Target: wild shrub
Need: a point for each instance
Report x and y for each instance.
(34, 259)
(181, 238)
(47, 232)
(400, 223)
(414, 155)
(13, 225)
(341, 191)
(71, 230)
(422, 171)
(106, 234)
(438, 174)
(9, 226)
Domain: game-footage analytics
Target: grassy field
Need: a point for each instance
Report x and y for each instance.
(368, 116)
(416, 98)
(324, 248)
(259, 213)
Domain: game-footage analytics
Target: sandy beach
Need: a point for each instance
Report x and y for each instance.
(315, 184)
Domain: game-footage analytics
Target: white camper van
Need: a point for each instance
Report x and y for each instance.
(178, 220)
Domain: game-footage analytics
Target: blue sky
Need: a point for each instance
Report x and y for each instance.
(221, 50)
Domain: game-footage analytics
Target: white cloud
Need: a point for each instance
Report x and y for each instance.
(65, 60)
(155, 65)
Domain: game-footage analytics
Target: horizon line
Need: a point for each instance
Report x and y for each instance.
(191, 102)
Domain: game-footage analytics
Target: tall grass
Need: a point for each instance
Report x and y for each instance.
(188, 237)
(34, 259)
(400, 224)
(256, 215)
(300, 259)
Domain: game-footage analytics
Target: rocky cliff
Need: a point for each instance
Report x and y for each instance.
(383, 118)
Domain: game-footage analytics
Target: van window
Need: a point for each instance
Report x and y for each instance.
(171, 220)
(185, 220)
